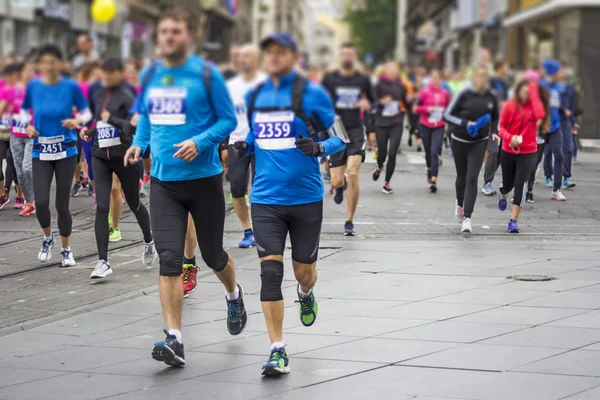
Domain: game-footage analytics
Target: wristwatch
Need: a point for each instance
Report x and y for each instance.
(321, 149)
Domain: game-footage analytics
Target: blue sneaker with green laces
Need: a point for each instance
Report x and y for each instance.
(278, 364)
(169, 351)
(237, 317)
(308, 308)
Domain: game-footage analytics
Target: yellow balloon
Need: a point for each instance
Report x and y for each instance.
(103, 11)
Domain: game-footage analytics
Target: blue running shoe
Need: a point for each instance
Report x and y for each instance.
(548, 183)
(502, 203)
(349, 229)
(248, 242)
(278, 364)
(170, 351)
(513, 227)
(488, 189)
(568, 184)
(338, 197)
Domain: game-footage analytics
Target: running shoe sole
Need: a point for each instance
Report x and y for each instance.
(386, 192)
(349, 233)
(185, 295)
(103, 275)
(556, 198)
(163, 353)
(275, 371)
(247, 247)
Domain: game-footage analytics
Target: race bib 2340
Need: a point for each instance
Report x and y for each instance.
(166, 106)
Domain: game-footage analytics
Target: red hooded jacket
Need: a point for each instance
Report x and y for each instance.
(521, 119)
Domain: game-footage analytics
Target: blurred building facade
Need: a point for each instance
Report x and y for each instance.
(522, 31)
(280, 15)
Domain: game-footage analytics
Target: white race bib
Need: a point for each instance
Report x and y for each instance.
(347, 97)
(435, 115)
(5, 122)
(52, 148)
(18, 126)
(108, 135)
(275, 130)
(391, 109)
(554, 99)
(166, 106)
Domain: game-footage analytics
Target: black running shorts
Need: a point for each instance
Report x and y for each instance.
(271, 225)
(357, 146)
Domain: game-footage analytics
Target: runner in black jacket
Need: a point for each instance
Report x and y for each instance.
(111, 141)
(473, 116)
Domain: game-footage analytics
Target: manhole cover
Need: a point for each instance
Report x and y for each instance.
(531, 278)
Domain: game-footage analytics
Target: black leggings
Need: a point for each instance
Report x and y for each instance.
(468, 159)
(516, 170)
(432, 141)
(43, 172)
(129, 178)
(393, 135)
(540, 156)
(170, 204)
(238, 171)
(11, 172)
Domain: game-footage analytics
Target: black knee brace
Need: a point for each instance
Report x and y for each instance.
(271, 275)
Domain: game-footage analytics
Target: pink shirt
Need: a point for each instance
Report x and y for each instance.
(17, 128)
(433, 97)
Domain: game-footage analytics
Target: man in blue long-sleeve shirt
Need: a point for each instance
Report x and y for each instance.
(183, 121)
(286, 115)
(554, 138)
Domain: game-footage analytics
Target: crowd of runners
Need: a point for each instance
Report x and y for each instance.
(281, 135)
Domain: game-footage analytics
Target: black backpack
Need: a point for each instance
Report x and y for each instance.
(298, 88)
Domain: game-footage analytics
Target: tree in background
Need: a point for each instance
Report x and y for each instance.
(373, 27)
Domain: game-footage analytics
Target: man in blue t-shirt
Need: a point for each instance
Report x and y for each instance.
(286, 115)
(183, 120)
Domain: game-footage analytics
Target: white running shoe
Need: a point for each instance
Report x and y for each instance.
(67, 258)
(101, 270)
(459, 213)
(466, 226)
(45, 253)
(558, 196)
(149, 254)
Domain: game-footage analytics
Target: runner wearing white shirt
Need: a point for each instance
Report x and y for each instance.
(239, 168)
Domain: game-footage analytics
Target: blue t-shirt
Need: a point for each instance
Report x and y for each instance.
(554, 91)
(51, 104)
(174, 107)
(284, 175)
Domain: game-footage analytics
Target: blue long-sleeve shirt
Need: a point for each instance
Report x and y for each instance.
(553, 89)
(284, 175)
(568, 100)
(174, 107)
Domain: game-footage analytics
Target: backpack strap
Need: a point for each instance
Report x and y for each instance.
(207, 77)
(252, 101)
(298, 87)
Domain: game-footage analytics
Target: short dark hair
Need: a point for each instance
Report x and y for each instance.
(498, 64)
(177, 14)
(113, 64)
(50, 50)
(348, 45)
(12, 69)
(87, 36)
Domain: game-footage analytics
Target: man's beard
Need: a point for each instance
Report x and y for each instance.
(348, 65)
(177, 55)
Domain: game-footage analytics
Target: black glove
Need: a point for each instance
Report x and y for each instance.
(309, 147)
(240, 148)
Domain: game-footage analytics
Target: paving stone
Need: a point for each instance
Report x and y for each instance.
(586, 301)
(450, 331)
(520, 315)
(576, 362)
(429, 310)
(13, 376)
(359, 326)
(549, 337)
(483, 357)
(586, 320)
(497, 295)
(378, 350)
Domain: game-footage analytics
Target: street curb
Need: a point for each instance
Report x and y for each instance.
(101, 304)
(77, 311)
